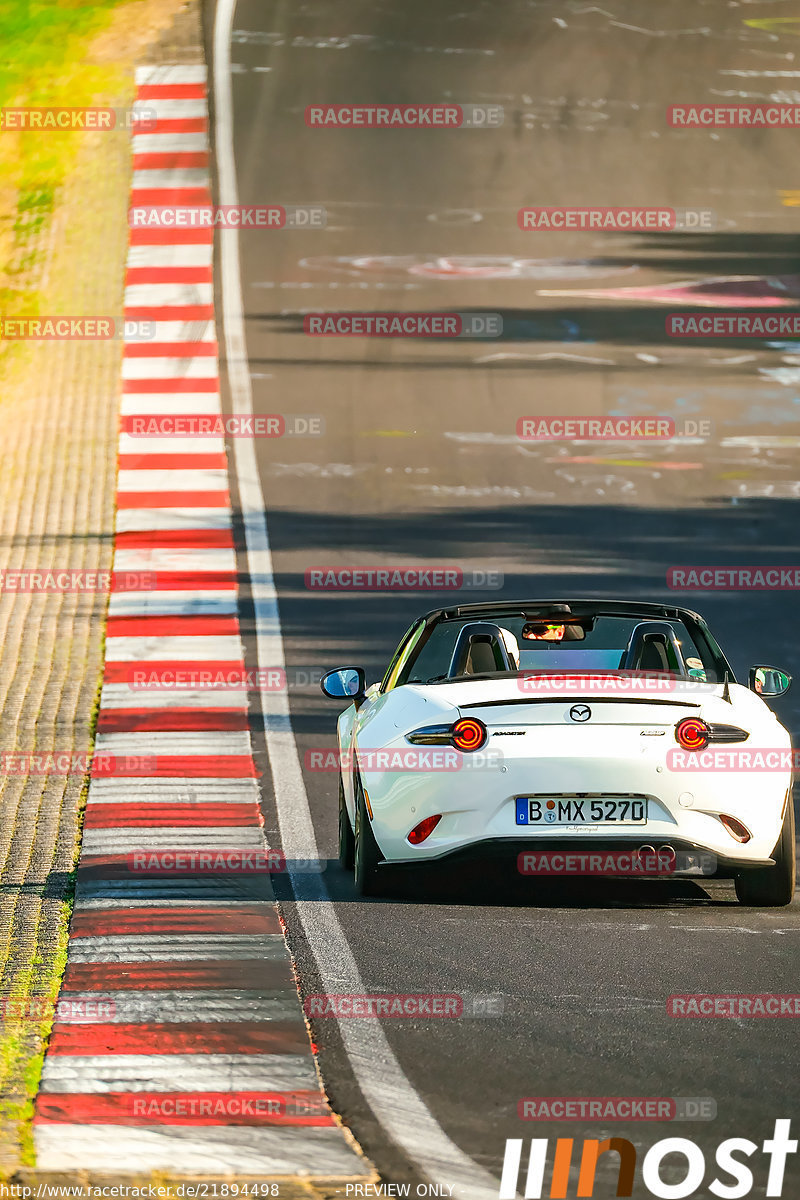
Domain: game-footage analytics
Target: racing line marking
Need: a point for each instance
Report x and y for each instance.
(179, 1016)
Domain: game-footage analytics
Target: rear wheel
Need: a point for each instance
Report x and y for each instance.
(346, 839)
(772, 887)
(366, 855)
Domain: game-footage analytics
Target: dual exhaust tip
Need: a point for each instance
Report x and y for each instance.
(665, 854)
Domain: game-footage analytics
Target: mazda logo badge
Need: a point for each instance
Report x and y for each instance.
(580, 712)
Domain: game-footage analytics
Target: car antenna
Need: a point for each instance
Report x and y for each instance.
(726, 691)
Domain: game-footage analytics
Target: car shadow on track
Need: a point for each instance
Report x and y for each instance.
(493, 885)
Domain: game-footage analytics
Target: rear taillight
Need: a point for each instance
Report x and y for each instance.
(424, 830)
(431, 735)
(692, 733)
(466, 734)
(727, 733)
(469, 734)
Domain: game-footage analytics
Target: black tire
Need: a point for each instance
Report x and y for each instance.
(772, 887)
(366, 855)
(347, 842)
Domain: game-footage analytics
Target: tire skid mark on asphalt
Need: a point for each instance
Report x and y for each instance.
(179, 1041)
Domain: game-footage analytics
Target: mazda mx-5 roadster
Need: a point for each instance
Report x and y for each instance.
(582, 728)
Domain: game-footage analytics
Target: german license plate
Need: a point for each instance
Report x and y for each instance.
(580, 812)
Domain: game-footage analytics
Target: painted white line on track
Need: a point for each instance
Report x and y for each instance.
(156, 839)
(136, 404)
(154, 694)
(169, 110)
(201, 330)
(170, 444)
(185, 254)
(200, 366)
(165, 143)
(161, 74)
(210, 1150)
(165, 790)
(220, 603)
(189, 479)
(156, 295)
(170, 177)
(133, 443)
(170, 797)
(100, 1073)
(404, 1116)
(122, 695)
(140, 1008)
(206, 741)
(175, 558)
(140, 520)
(224, 648)
(168, 402)
(131, 947)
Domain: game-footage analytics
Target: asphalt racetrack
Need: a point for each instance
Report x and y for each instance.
(420, 463)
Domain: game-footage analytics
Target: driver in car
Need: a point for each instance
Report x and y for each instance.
(543, 633)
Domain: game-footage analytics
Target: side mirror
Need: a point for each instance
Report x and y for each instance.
(769, 681)
(347, 683)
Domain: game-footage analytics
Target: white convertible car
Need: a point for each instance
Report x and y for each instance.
(605, 726)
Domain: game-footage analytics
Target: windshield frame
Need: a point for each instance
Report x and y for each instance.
(398, 673)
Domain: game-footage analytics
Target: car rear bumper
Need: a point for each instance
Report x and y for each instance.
(513, 850)
(478, 806)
